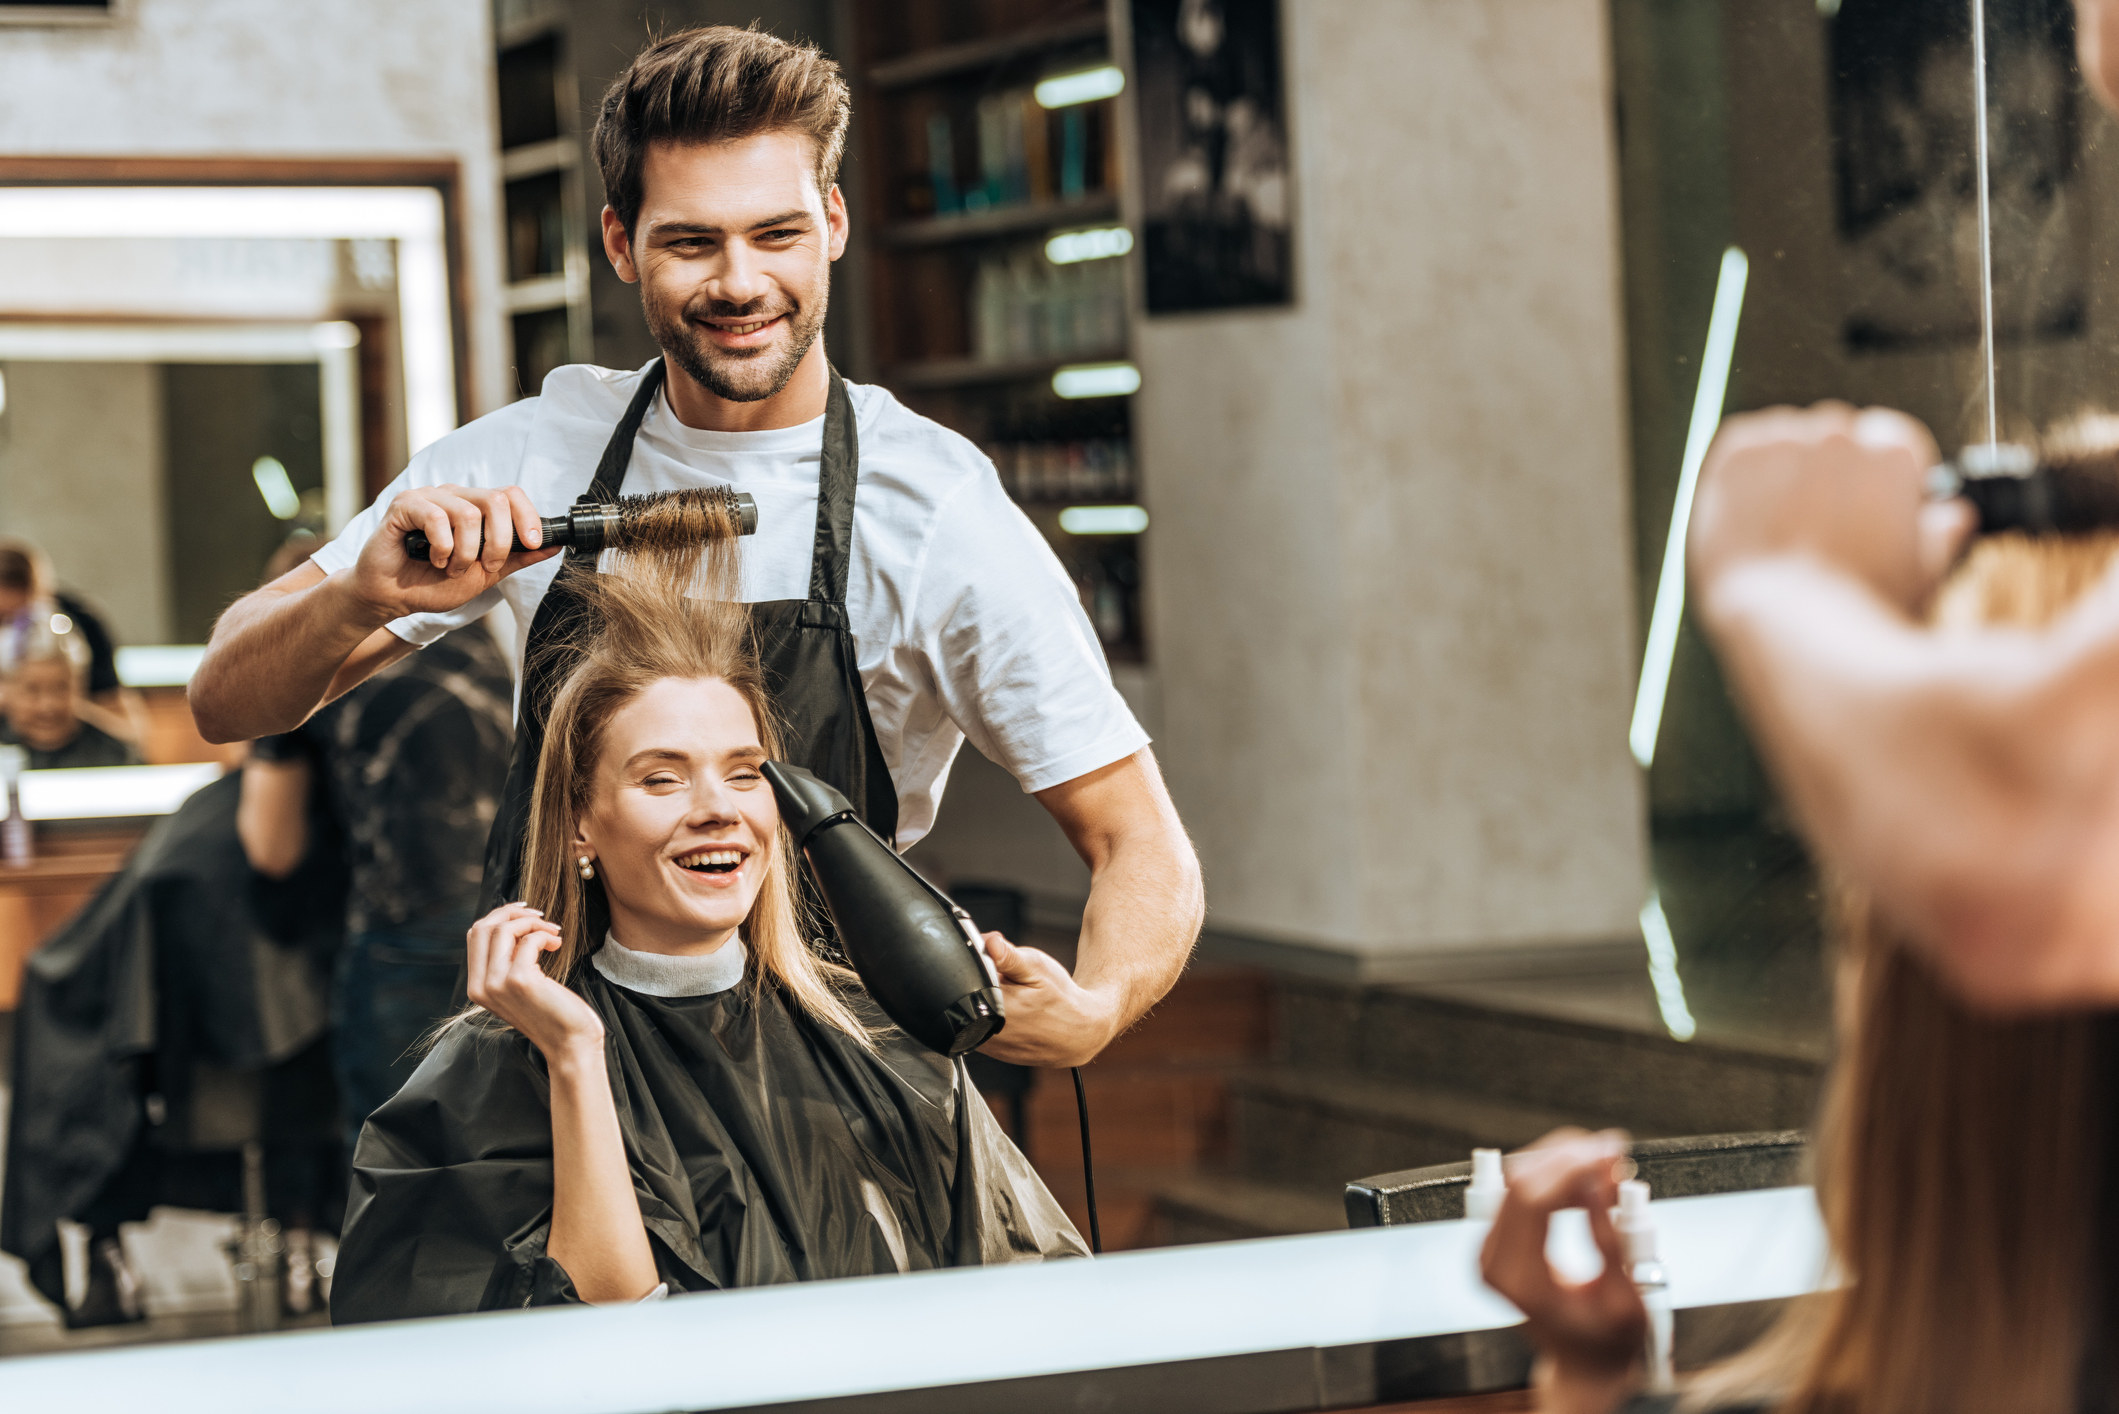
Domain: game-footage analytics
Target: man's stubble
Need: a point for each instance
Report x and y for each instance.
(735, 377)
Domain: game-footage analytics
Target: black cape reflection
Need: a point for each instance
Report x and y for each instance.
(765, 1148)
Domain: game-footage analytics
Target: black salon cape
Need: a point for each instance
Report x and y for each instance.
(764, 1147)
(185, 963)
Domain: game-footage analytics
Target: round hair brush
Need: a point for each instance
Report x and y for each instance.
(2065, 490)
(686, 517)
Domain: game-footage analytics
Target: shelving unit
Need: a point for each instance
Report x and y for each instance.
(968, 176)
(546, 213)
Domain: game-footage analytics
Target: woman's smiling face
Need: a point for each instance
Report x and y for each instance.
(680, 821)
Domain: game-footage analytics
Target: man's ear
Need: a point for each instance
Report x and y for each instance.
(835, 219)
(618, 245)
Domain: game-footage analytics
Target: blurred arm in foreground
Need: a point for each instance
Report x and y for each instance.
(1969, 779)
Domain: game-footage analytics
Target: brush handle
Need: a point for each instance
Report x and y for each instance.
(558, 530)
(589, 528)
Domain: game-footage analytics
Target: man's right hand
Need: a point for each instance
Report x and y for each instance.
(478, 537)
(1840, 486)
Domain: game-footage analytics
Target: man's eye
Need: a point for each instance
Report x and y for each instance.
(786, 235)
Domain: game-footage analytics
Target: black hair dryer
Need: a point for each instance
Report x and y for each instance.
(918, 954)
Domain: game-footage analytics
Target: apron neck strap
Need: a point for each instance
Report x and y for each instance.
(837, 477)
(618, 452)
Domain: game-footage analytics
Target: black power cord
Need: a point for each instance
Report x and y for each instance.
(1081, 1105)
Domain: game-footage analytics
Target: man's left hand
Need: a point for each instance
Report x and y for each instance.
(1053, 1021)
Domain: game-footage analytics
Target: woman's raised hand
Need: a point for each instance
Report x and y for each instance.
(1589, 1335)
(504, 978)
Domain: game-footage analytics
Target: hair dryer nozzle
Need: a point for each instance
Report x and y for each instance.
(916, 952)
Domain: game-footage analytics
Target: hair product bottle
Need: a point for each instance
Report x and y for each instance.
(1637, 1232)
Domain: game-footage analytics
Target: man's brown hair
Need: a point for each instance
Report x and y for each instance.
(717, 84)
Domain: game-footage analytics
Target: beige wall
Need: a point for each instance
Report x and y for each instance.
(81, 475)
(1389, 570)
(263, 78)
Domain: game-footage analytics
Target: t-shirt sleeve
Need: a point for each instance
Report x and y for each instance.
(1011, 653)
(488, 452)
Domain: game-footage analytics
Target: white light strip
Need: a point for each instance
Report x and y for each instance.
(112, 792)
(1073, 247)
(1103, 520)
(1066, 90)
(1986, 211)
(1096, 380)
(1670, 588)
(1663, 969)
(159, 664)
(410, 216)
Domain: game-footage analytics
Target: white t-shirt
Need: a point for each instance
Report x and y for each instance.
(965, 623)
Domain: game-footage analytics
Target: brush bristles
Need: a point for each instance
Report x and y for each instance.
(669, 521)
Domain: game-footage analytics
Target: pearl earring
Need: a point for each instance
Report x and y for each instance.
(588, 868)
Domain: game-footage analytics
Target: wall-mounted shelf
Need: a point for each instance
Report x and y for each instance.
(966, 175)
(952, 60)
(1002, 221)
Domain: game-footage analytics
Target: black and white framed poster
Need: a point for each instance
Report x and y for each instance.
(1905, 154)
(1217, 208)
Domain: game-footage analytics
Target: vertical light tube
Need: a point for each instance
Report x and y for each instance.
(1986, 212)
(1663, 969)
(339, 377)
(1670, 587)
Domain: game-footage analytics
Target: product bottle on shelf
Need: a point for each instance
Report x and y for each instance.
(941, 165)
(16, 843)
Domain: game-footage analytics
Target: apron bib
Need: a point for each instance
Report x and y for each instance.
(805, 646)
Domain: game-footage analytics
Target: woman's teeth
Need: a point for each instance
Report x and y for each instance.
(712, 861)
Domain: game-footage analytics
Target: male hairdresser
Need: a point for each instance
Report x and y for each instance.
(1969, 779)
(904, 603)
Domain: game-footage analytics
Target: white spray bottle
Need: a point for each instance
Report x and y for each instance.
(1486, 1362)
(1645, 1264)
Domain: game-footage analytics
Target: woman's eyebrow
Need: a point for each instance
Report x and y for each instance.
(746, 753)
(656, 753)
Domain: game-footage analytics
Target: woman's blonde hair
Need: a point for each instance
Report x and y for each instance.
(658, 613)
(1961, 1158)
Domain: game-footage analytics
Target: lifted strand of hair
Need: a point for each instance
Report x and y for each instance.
(664, 607)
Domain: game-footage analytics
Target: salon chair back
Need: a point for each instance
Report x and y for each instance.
(1673, 1168)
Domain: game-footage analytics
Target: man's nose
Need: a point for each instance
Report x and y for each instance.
(741, 277)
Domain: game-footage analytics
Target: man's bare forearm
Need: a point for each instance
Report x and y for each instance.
(1968, 781)
(1142, 919)
(276, 654)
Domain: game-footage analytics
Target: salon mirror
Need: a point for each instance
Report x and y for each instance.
(1456, 896)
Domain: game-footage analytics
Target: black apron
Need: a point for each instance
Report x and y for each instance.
(805, 646)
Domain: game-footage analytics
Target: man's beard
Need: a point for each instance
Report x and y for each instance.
(735, 377)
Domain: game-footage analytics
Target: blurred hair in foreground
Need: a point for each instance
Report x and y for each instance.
(1962, 1159)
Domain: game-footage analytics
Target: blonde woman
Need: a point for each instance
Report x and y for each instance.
(682, 1097)
(1963, 1162)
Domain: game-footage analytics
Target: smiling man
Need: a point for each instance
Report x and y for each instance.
(903, 604)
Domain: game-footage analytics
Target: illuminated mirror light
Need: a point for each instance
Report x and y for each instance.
(1670, 588)
(1096, 380)
(1104, 520)
(1663, 969)
(1066, 90)
(60, 623)
(1073, 247)
(3, 392)
(273, 485)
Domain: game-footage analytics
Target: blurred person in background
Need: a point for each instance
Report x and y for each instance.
(30, 599)
(410, 765)
(43, 708)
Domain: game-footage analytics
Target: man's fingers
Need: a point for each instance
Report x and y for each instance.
(441, 533)
(1945, 528)
(499, 533)
(468, 523)
(1884, 429)
(529, 529)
